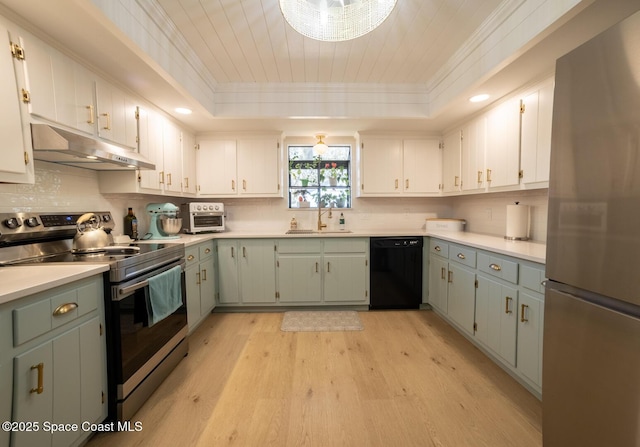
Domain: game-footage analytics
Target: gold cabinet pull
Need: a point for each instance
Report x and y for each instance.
(232, 253)
(244, 252)
(456, 180)
(186, 182)
(328, 267)
(495, 267)
(479, 176)
(437, 248)
(64, 308)
(207, 251)
(316, 267)
(396, 183)
(107, 115)
(169, 179)
(406, 184)
(442, 272)
(450, 276)
(488, 175)
(161, 177)
(244, 185)
(198, 276)
(523, 307)
(204, 274)
(461, 256)
(190, 258)
(91, 119)
(40, 388)
(233, 185)
(507, 299)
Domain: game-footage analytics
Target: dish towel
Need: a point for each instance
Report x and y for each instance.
(165, 294)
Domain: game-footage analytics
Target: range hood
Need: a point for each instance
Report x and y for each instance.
(60, 146)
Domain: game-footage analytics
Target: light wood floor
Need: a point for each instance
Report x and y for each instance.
(407, 379)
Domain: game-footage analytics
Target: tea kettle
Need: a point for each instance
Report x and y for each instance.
(91, 237)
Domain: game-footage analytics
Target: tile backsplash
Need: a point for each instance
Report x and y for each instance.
(62, 188)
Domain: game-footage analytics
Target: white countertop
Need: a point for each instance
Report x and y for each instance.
(18, 282)
(531, 251)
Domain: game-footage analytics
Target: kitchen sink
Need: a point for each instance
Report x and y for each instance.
(301, 232)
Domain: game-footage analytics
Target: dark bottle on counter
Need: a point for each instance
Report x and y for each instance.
(131, 224)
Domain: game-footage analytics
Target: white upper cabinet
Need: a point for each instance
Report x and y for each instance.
(150, 127)
(422, 166)
(503, 144)
(451, 153)
(537, 111)
(474, 134)
(245, 167)
(17, 159)
(116, 115)
(381, 169)
(172, 156)
(188, 163)
(396, 166)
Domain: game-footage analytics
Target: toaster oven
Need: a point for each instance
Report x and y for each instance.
(202, 217)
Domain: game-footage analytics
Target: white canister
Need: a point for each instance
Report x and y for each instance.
(517, 222)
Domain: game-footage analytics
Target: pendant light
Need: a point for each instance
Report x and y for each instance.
(320, 148)
(335, 20)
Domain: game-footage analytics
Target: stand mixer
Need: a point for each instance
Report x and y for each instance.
(165, 223)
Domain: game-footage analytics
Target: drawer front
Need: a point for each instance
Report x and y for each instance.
(205, 250)
(31, 321)
(463, 255)
(499, 267)
(299, 246)
(439, 248)
(191, 255)
(346, 245)
(532, 277)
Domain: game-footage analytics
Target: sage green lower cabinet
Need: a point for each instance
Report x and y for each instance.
(346, 269)
(246, 271)
(59, 367)
(200, 276)
(496, 301)
(299, 271)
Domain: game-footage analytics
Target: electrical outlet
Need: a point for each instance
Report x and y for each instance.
(487, 213)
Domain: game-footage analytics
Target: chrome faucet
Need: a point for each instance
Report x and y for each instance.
(320, 213)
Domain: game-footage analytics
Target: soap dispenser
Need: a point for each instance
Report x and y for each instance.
(294, 224)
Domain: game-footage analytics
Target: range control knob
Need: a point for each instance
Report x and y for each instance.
(217, 207)
(106, 218)
(12, 223)
(211, 207)
(199, 207)
(32, 222)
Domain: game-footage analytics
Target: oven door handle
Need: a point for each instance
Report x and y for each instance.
(129, 289)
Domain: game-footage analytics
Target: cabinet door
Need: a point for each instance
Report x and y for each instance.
(216, 167)
(84, 104)
(258, 173)
(535, 144)
(473, 152)
(461, 296)
(38, 74)
(451, 162)
(438, 269)
(422, 167)
(345, 278)
(93, 368)
(17, 158)
(228, 286)
(151, 147)
(29, 405)
(300, 278)
(503, 144)
(530, 323)
(188, 163)
(116, 115)
(172, 155)
(192, 280)
(257, 271)
(381, 166)
(207, 286)
(496, 317)
(67, 385)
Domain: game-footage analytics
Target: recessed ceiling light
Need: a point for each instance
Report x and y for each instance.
(92, 157)
(183, 110)
(479, 98)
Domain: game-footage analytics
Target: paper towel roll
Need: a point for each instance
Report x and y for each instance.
(517, 222)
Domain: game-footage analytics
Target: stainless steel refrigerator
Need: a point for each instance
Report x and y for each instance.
(591, 357)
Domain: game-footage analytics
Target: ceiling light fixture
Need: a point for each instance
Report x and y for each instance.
(335, 20)
(183, 110)
(479, 98)
(320, 148)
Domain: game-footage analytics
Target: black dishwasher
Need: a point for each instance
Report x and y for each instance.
(396, 272)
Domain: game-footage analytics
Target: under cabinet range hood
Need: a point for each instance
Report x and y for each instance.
(56, 145)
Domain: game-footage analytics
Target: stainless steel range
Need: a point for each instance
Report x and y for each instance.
(141, 352)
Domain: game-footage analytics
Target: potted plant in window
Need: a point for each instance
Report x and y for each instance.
(334, 174)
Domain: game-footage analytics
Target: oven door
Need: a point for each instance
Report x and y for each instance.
(137, 348)
(201, 222)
